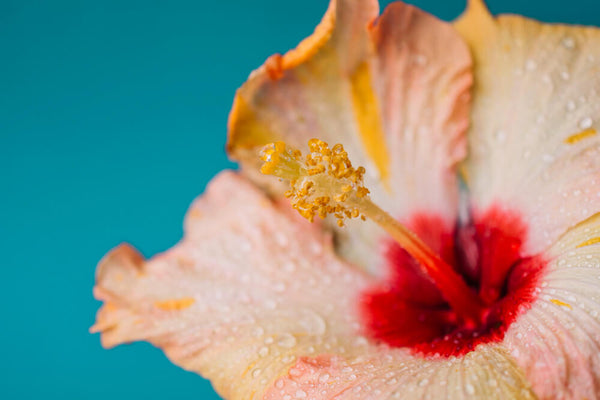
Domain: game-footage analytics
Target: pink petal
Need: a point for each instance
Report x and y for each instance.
(249, 289)
(533, 141)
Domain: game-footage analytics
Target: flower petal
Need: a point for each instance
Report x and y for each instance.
(487, 373)
(249, 289)
(557, 342)
(393, 90)
(533, 141)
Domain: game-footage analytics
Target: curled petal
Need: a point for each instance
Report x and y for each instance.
(393, 89)
(533, 141)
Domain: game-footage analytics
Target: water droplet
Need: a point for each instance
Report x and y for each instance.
(568, 42)
(500, 136)
(530, 65)
(281, 239)
(289, 266)
(256, 372)
(288, 358)
(469, 389)
(286, 341)
(420, 59)
(548, 158)
(323, 378)
(586, 123)
(270, 304)
(259, 331)
(423, 382)
(279, 287)
(300, 394)
(313, 323)
(263, 352)
(279, 384)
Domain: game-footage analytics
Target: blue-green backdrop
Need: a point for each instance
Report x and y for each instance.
(112, 119)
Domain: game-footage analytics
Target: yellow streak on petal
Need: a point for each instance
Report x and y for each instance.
(248, 368)
(175, 304)
(366, 111)
(580, 136)
(589, 242)
(245, 129)
(561, 303)
(195, 213)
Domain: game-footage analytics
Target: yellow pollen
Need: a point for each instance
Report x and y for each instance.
(175, 304)
(580, 136)
(322, 183)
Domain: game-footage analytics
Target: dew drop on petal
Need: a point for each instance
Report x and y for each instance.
(279, 287)
(500, 136)
(323, 378)
(289, 266)
(300, 394)
(313, 323)
(286, 341)
(568, 42)
(585, 123)
(263, 351)
(469, 389)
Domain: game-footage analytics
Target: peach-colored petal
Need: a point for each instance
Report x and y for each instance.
(557, 342)
(487, 373)
(533, 140)
(393, 90)
(255, 299)
(249, 289)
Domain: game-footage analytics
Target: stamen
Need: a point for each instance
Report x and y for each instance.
(324, 182)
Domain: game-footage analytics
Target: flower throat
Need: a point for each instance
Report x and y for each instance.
(448, 288)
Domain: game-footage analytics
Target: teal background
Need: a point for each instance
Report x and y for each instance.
(112, 119)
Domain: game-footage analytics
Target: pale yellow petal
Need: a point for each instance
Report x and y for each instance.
(557, 342)
(533, 141)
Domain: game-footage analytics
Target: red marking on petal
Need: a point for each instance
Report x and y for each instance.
(407, 310)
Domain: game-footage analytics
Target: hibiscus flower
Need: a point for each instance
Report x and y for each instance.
(497, 293)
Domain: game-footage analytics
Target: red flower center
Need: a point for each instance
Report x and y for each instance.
(408, 310)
